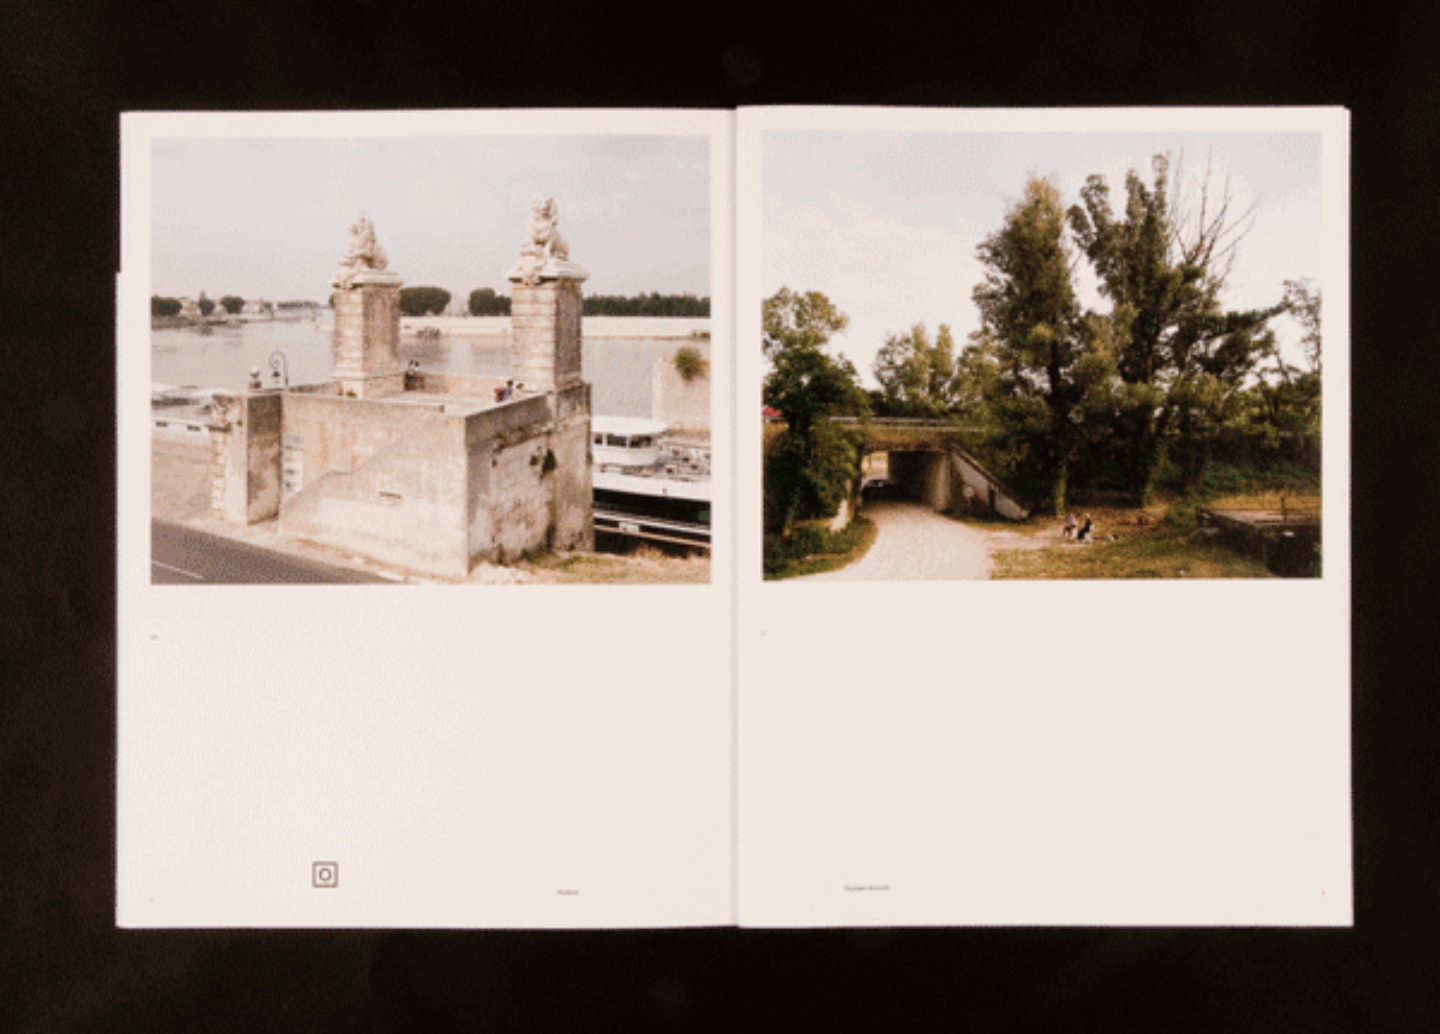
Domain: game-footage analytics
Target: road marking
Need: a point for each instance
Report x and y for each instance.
(178, 570)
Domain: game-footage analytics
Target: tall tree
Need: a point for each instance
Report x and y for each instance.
(805, 475)
(1180, 356)
(918, 376)
(232, 303)
(1031, 319)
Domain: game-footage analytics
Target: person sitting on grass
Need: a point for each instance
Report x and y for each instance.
(1087, 531)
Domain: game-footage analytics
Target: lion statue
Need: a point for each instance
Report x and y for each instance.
(364, 253)
(542, 239)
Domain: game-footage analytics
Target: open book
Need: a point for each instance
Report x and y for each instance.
(905, 750)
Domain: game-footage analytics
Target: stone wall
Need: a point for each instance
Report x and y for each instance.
(529, 476)
(245, 445)
(952, 481)
(685, 406)
(367, 339)
(385, 480)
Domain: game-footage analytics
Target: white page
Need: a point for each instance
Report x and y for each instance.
(975, 753)
(465, 755)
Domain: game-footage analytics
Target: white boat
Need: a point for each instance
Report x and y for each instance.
(622, 441)
(647, 488)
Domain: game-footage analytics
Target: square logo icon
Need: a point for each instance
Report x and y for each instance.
(325, 874)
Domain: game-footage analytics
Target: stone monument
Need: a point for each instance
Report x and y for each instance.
(545, 309)
(367, 318)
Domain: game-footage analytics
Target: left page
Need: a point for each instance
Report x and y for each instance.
(424, 571)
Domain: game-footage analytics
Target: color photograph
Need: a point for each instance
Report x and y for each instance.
(410, 359)
(1041, 355)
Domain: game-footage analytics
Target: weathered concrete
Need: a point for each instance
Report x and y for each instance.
(545, 339)
(684, 405)
(432, 474)
(949, 479)
(367, 336)
(245, 456)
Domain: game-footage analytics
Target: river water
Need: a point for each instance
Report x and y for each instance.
(620, 369)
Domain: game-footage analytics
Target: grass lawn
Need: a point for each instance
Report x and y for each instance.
(1129, 543)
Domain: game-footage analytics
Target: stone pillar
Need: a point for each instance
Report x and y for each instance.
(367, 336)
(545, 321)
(545, 306)
(367, 318)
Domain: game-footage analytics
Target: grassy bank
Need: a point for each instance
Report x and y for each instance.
(1155, 542)
(812, 549)
(642, 566)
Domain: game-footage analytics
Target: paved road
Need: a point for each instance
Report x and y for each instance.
(184, 556)
(914, 543)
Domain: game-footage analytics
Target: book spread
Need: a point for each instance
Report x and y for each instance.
(783, 517)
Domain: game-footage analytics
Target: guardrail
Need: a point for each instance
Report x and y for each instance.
(681, 533)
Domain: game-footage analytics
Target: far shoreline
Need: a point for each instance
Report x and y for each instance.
(653, 327)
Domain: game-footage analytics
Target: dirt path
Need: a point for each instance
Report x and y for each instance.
(914, 543)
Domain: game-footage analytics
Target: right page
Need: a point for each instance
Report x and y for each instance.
(1044, 558)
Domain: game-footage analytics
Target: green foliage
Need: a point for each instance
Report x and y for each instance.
(1179, 355)
(423, 301)
(668, 305)
(1302, 301)
(1031, 321)
(232, 303)
(809, 477)
(164, 306)
(206, 306)
(806, 473)
(810, 548)
(918, 377)
(485, 302)
(690, 363)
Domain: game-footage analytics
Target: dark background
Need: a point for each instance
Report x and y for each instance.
(70, 67)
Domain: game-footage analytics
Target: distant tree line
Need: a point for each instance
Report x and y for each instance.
(647, 305)
(486, 302)
(233, 304)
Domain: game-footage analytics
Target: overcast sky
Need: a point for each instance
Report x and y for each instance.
(886, 224)
(269, 218)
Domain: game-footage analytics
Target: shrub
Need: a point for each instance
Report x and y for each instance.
(690, 363)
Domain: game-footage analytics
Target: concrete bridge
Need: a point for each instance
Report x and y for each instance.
(926, 459)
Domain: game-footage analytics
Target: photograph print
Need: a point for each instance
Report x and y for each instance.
(1042, 355)
(440, 359)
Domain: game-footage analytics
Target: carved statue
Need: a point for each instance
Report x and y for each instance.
(542, 240)
(364, 253)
